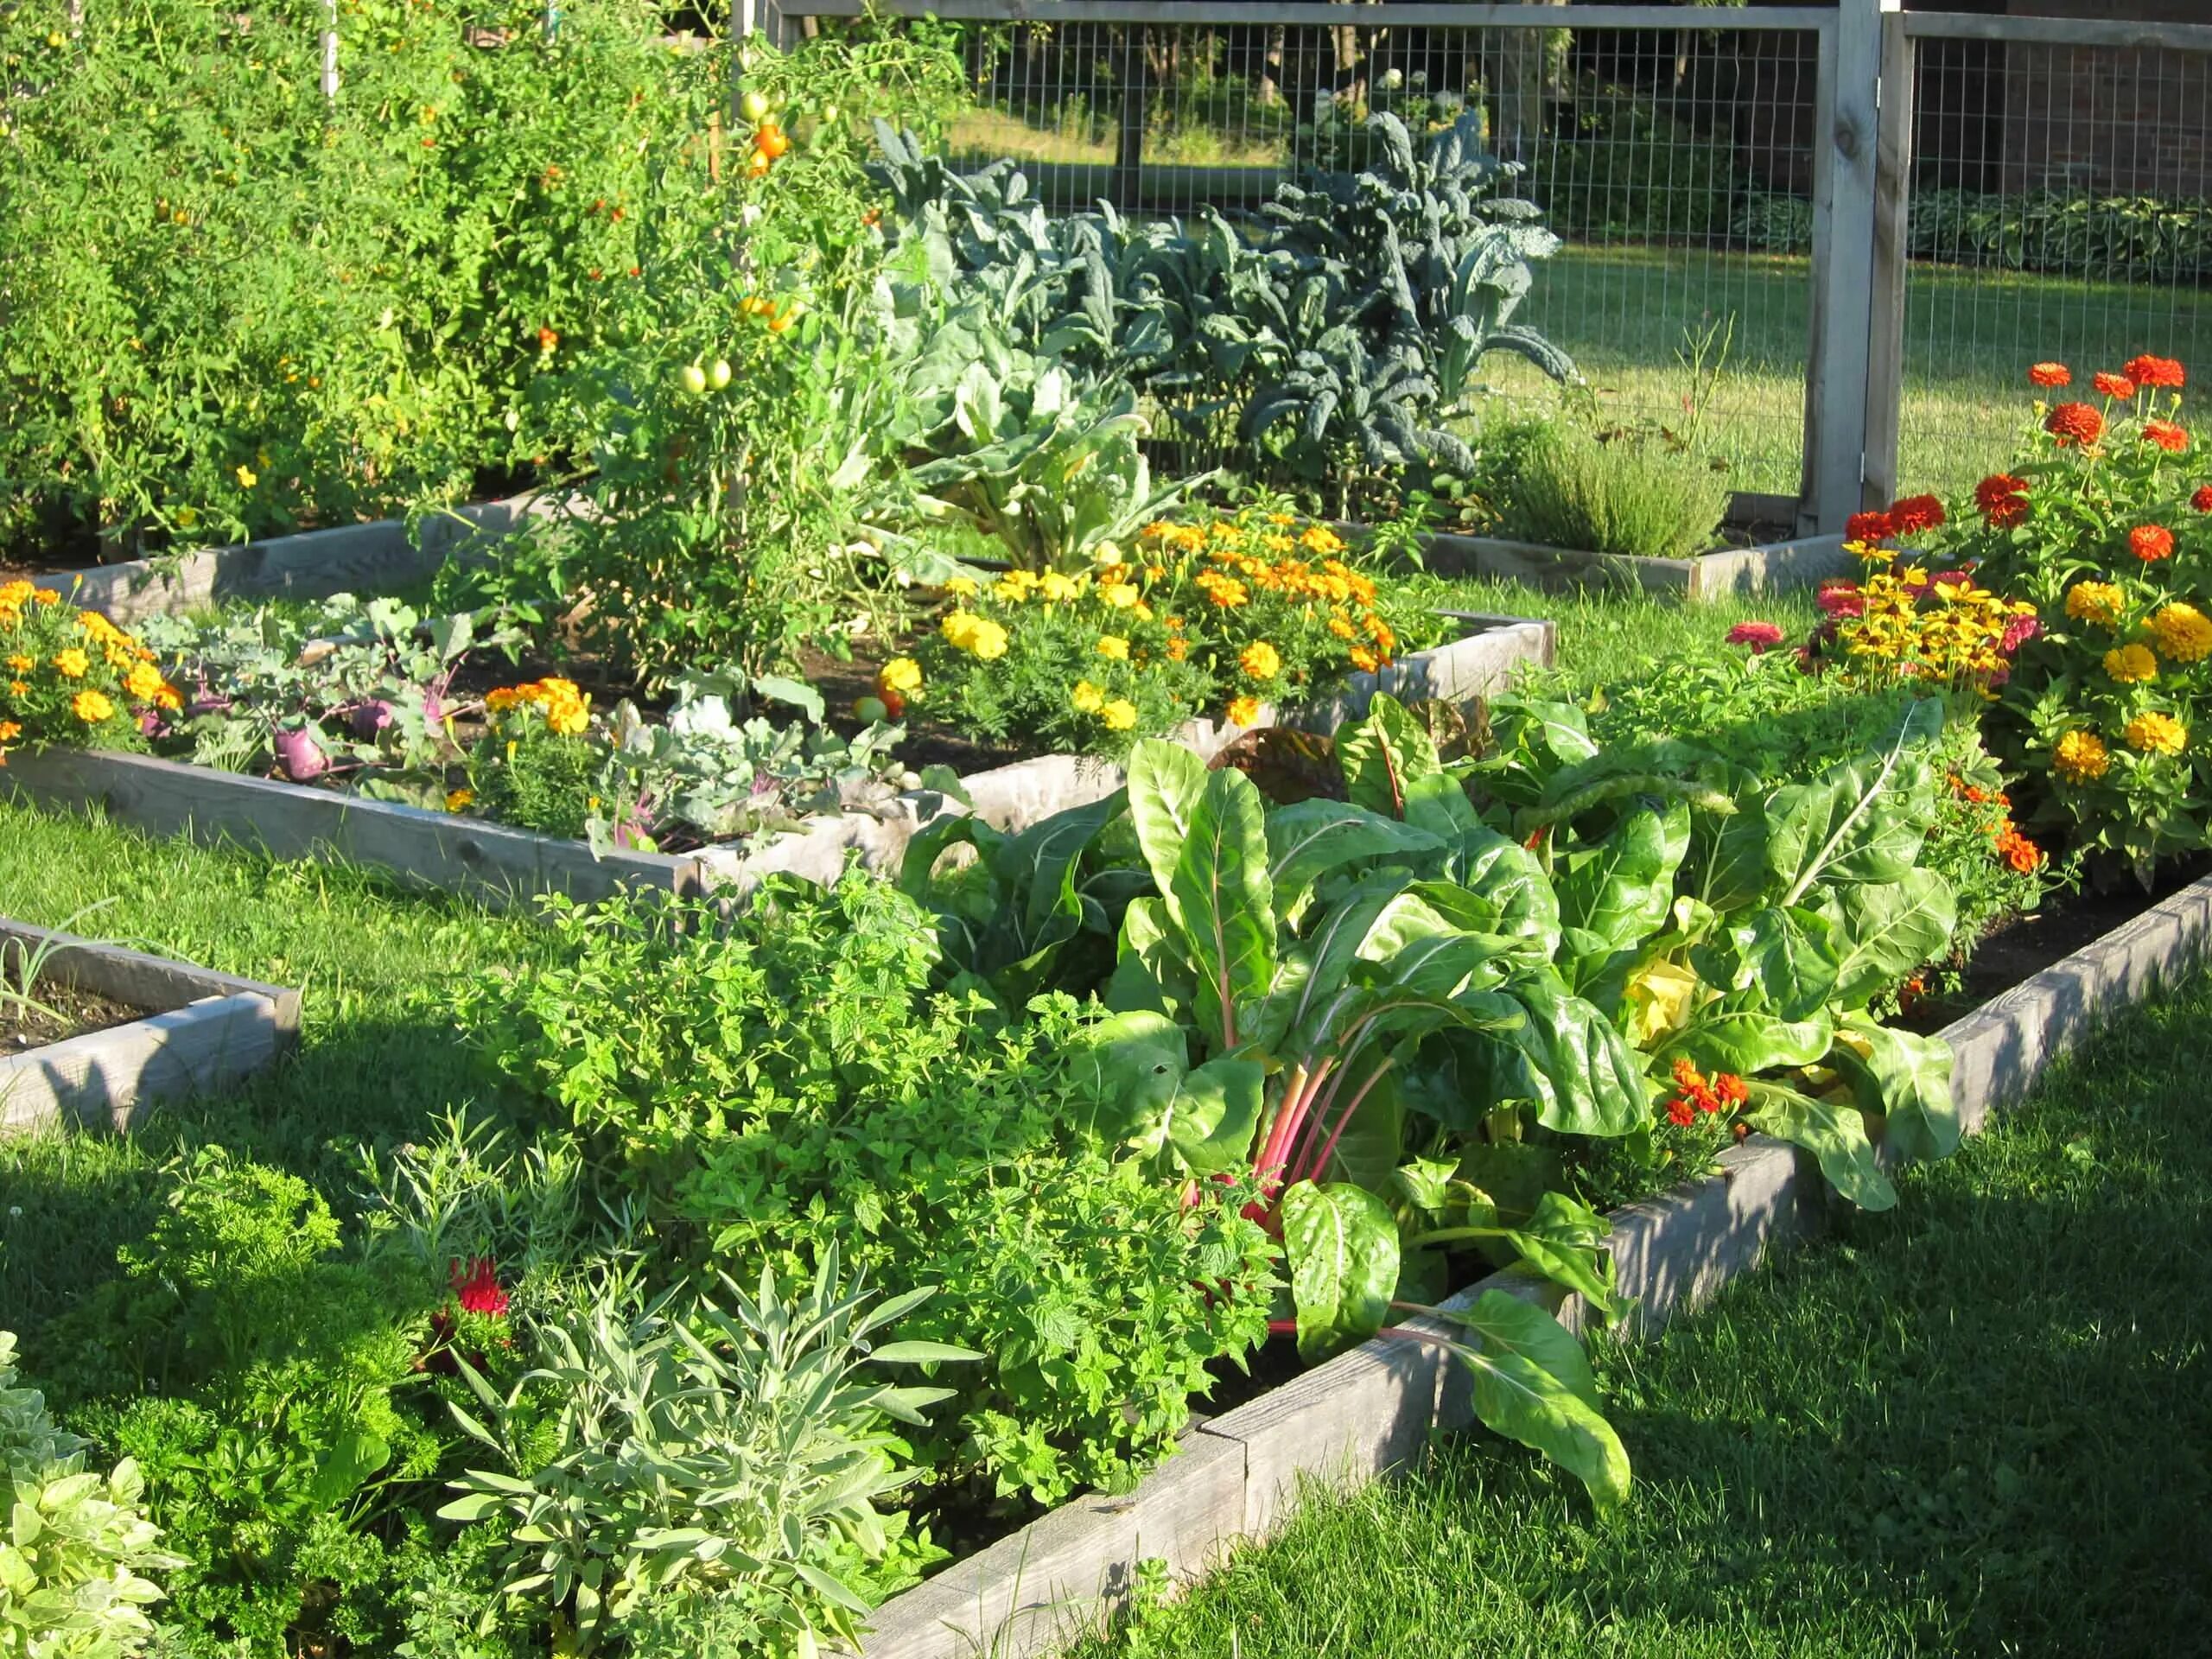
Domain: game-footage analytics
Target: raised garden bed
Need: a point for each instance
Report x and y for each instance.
(505, 865)
(1239, 1476)
(146, 1030)
(1723, 573)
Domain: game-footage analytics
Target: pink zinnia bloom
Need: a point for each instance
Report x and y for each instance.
(2018, 632)
(1841, 599)
(1759, 636)
(479, 1287)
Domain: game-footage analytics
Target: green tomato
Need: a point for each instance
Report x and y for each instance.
(718, 377)
(868, 710)
(695, 380)
(754, 107)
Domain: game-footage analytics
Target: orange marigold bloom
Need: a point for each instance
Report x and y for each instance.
(2148, 371)
(2003, 499)
(1915, 514)
(2050, 374)
(2074, 424)
(2150, 543)
(2166, 434)
(2113, 385)
(1731, 1089)
(1365, 660)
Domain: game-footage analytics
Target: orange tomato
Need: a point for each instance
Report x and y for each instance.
(756, 164)
(771, 140)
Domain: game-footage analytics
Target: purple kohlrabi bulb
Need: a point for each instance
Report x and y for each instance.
(369, 718)
(301, 756)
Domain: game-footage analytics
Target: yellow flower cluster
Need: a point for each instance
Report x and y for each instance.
(566, 708)
(978, 635)
(2131, 664)
(1940, 632)
(902, 674)
(2098, 602)
(68, 671)
(1115, 714)
(2182, 632)
(2081, 758)
(1252, 555)
(2153, 733)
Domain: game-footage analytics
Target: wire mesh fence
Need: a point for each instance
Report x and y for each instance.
(2061, 209)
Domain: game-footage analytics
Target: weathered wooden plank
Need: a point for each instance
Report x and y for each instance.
(2059, 31)
(134, 978)
(111, 1077)
(1801, 563)
(1304, 14)
(499, 864)
(1893, 246)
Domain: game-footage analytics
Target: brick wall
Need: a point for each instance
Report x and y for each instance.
(2112, 121)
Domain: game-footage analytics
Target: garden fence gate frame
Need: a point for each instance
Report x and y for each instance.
(1864, 309)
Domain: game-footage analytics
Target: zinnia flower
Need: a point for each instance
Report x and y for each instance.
(2131, 664)
(2148, 371)
(2050, 374)
(1260, 660)
(2101, 602)
(2166, 434)
(2003, 499)
(1841, 599)
(2150, 543)
(1243, 711)
(1868, 528)
(2018, 632)
(2202, 499)
(1915, 514)
(2153, 733)
(2113, 385)
(2074, 424)
(2081, 758)
(478, 1287)
(1759, 636)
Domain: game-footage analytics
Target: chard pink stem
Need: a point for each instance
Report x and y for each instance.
(1314, 1171)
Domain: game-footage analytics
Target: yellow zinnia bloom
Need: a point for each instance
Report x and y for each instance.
(2081, 758)
(2131, 664)
(2153, 732)
(2101, 602)
(2182, 632)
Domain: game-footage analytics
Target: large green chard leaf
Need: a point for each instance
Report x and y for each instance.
(1166, 780)
(1564, 1055)
(1507, 877)
(1835, 1134)
(1313, 838)
(1620, 889)
(1384, 754)
(1904, 1076)
(1562, 1239)
(1131, 1069)
(1863, 821)
(1437, 803)
(1219, 894)
(1343, 1245)
(1787, 956)
(1038, 865)
(1739, 1032)
(1532, 1383)
(1310, 973)
(1149, 971)
(1884, 932)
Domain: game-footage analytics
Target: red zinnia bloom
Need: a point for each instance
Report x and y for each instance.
(1915, 514)
(2052, 374)
(2075, 423)
(2148, 371)
(1951, 579)
(1868, 527)
(2003, 499)
(2202, 499)
(1841, 599)
(2151, 542)
(2113, 385)
(1759, 636)
(2166, 434)
(479, 1287)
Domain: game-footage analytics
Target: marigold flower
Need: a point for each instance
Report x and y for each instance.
(459, 800)
(9, 730)
(72, 664)
(142, 681)
(45, 596)
(901, 674)
(1087, 698)
(1119, 715)
(1243, 711)
(2150, 543)
(1761, 637)
(979, 637)
(1122, 595)
(2131, 664)
(1680, 1113)
(2003, 499)
(1057, 589)
(962, 588)
(92, 707)
(2166, 434)
(2050, 374)
(1261, 660)
(1365, 660)
(2113, 385)
(1730, 1090)
(2081, 758)
(2101, 602)
(1114, 647)
(1915, 514)
(1178, 648)
(478, 1287)
(2074, 424)
(2153, 733)
(2182, 632)
(20, 664)
(1868, 528)
(2148, 371)
(1319, 538)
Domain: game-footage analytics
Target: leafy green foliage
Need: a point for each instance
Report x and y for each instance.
(1627, 495)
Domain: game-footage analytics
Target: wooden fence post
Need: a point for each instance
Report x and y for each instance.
(330, 51)
(1892, 203)
(1844, 125)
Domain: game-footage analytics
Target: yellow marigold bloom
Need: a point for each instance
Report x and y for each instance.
(566, 718)
(2182, 632)
(1119, 715)
(2153, 732)
(1107, 556)
(9, 730)
(1087, 698)
(1057, 589)
(962, 588)
(2081, 758)
(1226, 592)
(1280, 518)
(1243, 711)
(1177, 648)
(1112, 645)
(1261, 660)
(2101, 602)
(92, 707)
(902, 674)
(1319, 538)
(2131, 664)
(1157, 530)
(20, 664)
(459, 800)
(1365, 660)
(45, 596)
(72, 664)
(18, 688)
(143, 682)
(1122, 595)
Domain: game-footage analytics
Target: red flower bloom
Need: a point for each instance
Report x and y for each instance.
(1680, 1113)
(1915, 514)
(2148, 371)
(2018, 632)
(1759, 636)
(2113, 385)
(479, 1287)
(2151, 542)
(2075, 423)
(1729, 1090)
(2050, 374)
(2202, 499)
(1841, 599)
(2166, 434)
(1951, 579)
(1868, 527)
(2003, 499)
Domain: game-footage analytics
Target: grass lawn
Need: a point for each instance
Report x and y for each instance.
(1981, 1423)
(377, 1058)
